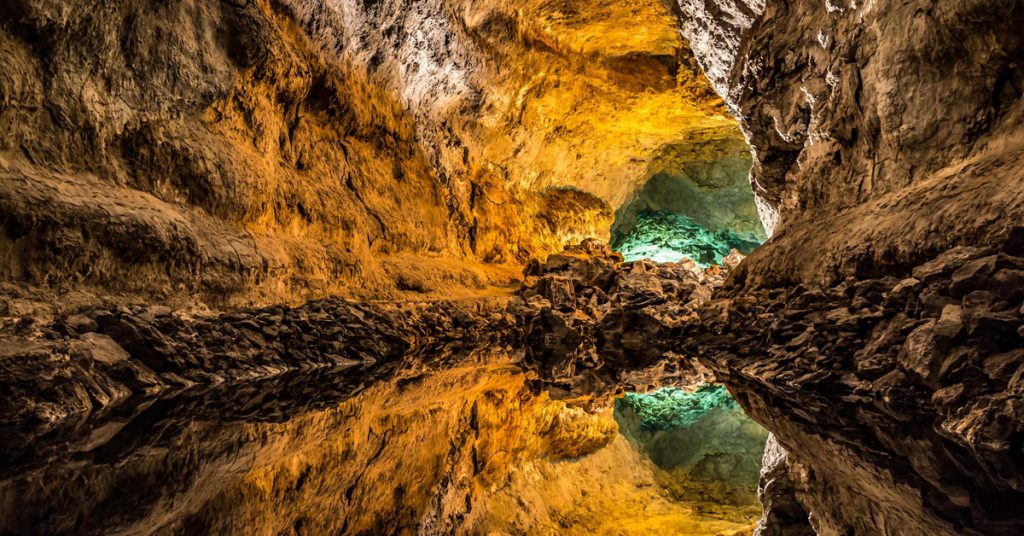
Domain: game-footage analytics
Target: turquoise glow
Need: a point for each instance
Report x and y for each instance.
(671, 408)
(668, 237)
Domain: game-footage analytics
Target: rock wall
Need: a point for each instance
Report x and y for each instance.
(702, 439)
(783, 514)
(467, 449)
(276, 150)
(864, 116)
(712, 189)
(886, 137)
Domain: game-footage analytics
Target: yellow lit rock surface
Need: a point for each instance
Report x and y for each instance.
(467, 451)
(282, 150)
(210, 154)
(198, 155)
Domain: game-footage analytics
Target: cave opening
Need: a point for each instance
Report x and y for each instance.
(694, 206)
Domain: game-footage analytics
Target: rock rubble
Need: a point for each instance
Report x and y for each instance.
(601, 323)
(901, 391)
(586, 322)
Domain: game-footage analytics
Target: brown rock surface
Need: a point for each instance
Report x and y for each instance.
(462, 450)
(275, 150)
(238, 155)
(886, 138)
(882, 132)
(893, 405)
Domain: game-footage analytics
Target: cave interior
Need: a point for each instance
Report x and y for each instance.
(702, 267)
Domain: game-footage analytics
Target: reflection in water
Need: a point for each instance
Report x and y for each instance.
(702, 440)
(467, 449)
(147, 463)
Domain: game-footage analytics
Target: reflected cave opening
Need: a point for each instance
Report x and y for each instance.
(707, 449)
(696, 205)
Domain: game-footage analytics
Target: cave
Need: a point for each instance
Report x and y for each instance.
(707, 447)
(696, 205)
(703, 267)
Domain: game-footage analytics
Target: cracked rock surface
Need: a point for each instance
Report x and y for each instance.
(247, 162)
(898, 394)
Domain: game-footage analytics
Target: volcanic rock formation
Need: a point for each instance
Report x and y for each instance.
(886, 137)
(278, 252)
(280, 150)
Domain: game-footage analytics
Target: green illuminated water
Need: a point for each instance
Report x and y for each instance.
(663, 236)
(708, 447)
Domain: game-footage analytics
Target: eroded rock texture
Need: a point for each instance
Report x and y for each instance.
(217, 154)
(466, 450)
(884, 133)
(899, 395)
(279, 150)
(602, 325)
(701, 439)
(783, 514)
(98, 358)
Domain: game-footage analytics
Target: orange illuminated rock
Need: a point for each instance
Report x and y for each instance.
(278, 151)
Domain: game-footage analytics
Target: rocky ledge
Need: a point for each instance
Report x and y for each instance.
(101, 356)
(583, 320)
(900, 394)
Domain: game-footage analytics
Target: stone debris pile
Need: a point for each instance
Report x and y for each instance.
(600, 322)
(935, 355)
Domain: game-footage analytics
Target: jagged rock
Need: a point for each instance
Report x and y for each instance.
(603, 322)
(862, 381)
(784, 515)
(229, 153)
(973, 275)
(149, 350)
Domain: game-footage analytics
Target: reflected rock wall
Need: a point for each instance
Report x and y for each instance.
(701, 439)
